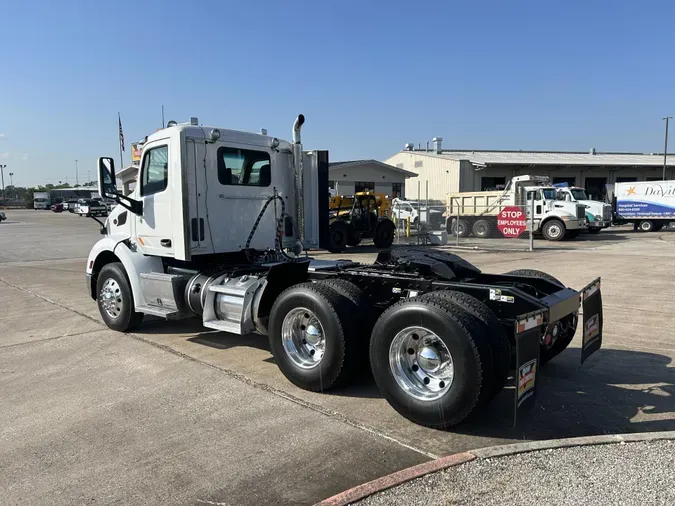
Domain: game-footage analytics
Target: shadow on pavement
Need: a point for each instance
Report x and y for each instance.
(616, 391)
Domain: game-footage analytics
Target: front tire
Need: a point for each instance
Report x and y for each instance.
(431, 360)
(115, 299)
(314, 337)
(553, 230)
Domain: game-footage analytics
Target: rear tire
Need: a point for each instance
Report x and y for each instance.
(461, 229)
(338, 236)
(646, 226)
(115, 299)
(384, 234)
(553, 230)
(492, 327)
(482, 229)
(437, 329)
(310, 319)
(570, 322)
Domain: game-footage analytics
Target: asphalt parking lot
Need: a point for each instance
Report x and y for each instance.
(174, 414)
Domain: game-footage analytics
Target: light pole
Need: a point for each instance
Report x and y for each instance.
(2, 176)
(11, 183)
(77, 182)
(665, 149)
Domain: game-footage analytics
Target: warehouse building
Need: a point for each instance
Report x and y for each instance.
(348, 177)
(449, 170)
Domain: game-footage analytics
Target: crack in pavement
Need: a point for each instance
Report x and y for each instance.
(244, 379)
(53, 338)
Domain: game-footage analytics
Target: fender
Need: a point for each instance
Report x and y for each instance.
(134, 264)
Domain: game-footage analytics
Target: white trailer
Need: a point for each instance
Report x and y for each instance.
(648, 205)
(217, 228)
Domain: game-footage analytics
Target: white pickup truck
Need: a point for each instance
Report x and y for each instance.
(598, 214)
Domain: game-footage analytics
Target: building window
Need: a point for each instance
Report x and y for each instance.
(396, 190)
(492, 183)
(626, 179)
(243, 167)
(572, 181)
(155, 175)
(364, 186)
(654, 179)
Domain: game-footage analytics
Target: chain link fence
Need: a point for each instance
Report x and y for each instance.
(464, 225)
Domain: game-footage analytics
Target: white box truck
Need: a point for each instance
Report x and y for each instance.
(41, 200)
(648, 205)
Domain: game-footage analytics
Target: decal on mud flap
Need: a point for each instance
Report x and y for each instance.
(496, 294)
(527, 331)
(591, 297)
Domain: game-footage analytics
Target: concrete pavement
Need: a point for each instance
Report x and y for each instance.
(625, 387)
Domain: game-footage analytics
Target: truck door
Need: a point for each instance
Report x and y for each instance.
(195, 173)
(535, 197)
(154, 227)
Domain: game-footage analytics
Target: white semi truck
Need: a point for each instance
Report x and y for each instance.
(477, 212)
(648, 205)
(598, 214)
(217, 229)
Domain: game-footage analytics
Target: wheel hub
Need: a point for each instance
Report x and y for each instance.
(110, 298)
(421, 363)
(429, 359)
(303, 338)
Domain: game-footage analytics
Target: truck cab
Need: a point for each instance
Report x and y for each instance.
(550, 213)
(598, 214)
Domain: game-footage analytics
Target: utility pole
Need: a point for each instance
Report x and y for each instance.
(2, 176)
(76, 178)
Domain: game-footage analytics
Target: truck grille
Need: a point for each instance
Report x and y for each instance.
(581, 212)
(606, 212)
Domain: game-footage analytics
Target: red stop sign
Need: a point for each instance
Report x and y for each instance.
(511, 222)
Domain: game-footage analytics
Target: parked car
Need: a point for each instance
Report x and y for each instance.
(57, 208)
(91, 207)
(2, 216)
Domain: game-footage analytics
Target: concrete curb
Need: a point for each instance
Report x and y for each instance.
(398, 478)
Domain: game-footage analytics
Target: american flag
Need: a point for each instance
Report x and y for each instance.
(121, 133)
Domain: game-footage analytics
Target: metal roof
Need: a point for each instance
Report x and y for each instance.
(353, 163)
(480, 157)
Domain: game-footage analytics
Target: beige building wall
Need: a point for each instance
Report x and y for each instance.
(442, 174)
(345, 177)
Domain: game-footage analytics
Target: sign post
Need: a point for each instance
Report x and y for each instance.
(511, 221)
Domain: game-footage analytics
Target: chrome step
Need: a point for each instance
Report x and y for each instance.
(224, 326)
(162, 312)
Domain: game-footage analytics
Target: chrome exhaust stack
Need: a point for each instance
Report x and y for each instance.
(298, 172)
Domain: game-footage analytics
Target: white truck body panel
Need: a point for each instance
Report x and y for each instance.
(40, 200)
(642, 200)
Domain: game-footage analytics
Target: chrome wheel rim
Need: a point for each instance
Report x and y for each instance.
(554, 230)
(303, 338)
(111, 298)
(421, 363)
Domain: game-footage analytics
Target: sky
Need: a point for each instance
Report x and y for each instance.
(369, 75)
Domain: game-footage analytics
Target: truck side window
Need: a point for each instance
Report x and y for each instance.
(155, 171)
(244, 167)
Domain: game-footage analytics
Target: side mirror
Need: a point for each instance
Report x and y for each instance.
(107, 186)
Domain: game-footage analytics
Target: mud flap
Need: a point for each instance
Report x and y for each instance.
(592, 321)
(528, 341)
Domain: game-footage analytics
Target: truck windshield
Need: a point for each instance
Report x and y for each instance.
(550, 193)
(40, 200)
(579, 194)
